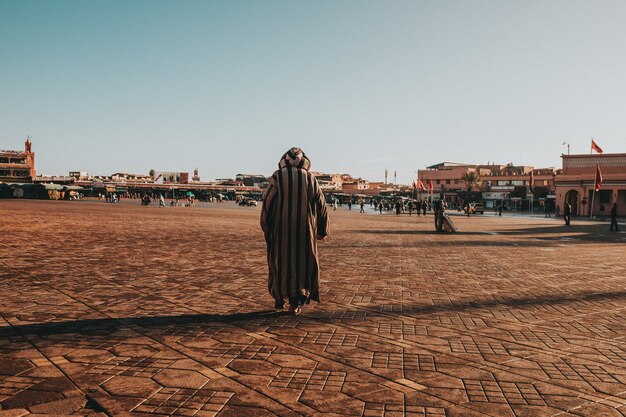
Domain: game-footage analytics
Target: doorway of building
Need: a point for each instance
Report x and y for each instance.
(572, 198)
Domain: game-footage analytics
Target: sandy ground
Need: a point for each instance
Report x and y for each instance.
(128, 310)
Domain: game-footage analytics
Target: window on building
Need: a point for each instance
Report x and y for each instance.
(447, 181)
(438, 181)
(605, 196)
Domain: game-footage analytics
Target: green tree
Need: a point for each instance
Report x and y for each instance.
(472, 180)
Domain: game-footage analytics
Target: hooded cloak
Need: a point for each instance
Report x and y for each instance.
(293, 214)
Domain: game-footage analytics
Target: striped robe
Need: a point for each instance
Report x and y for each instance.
(293, 213)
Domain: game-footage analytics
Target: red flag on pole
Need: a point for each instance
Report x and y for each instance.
(595, 147)
(431, 187)
(420, 185)
(598, 178)
(531, 183)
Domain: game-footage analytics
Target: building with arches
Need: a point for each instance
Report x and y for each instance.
(576, 183)
(18, 166)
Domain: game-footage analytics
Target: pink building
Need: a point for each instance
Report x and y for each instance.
(576, 183)
(446, 177)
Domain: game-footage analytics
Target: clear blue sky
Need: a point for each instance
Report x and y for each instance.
(106, 86)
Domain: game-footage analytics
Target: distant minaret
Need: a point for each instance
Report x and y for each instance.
(386, 172)
(30, 156)
(395, 176)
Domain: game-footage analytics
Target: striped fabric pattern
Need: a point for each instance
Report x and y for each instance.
(293, 214)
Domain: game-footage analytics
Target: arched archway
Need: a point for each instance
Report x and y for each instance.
(572, 198)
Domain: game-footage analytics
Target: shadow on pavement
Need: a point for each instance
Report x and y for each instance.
(414, 232)
(107, 326)
(586, 232)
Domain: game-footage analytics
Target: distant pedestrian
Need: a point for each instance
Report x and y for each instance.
(350, 204)
(438, 207)
(567, 213)
(614, 218)
(293, 218)
(362, 203)
(161, 201)
(602, 212)
(380, 207)
(398, 207)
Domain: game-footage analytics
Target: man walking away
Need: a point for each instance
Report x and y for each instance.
(614, 217)
(293, 216)
(567, 213)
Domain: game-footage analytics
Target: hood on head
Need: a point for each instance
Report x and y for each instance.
(295, 157)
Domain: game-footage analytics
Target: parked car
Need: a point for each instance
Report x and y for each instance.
(248, 202)
(475, 208)
(479, 208)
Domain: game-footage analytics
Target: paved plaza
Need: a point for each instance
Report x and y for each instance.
(128, 310)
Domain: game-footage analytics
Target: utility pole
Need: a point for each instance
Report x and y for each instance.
(566, 143)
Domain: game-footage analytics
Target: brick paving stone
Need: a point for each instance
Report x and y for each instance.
(130, 310)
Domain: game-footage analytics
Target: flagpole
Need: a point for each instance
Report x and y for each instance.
(593, 196)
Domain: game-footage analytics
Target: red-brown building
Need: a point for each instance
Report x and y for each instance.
(576, 183)
(446, 177)
(499, 183)
(18, 166)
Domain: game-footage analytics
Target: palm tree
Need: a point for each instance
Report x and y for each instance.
(472, 180)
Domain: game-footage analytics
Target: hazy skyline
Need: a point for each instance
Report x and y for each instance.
(108, 86)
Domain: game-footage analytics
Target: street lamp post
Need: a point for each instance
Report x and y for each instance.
(567, 143)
